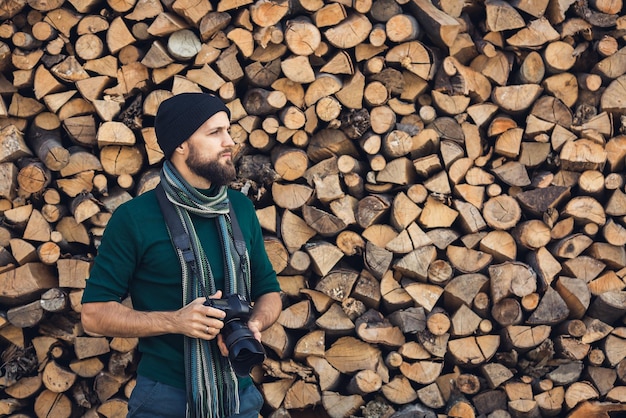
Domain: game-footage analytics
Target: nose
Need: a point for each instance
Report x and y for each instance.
(227, 140)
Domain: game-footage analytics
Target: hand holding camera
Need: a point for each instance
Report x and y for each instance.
(244, 350)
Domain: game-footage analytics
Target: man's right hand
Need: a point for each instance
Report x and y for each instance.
(196, 320)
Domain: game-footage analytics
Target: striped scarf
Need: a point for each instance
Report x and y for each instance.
(212, 386)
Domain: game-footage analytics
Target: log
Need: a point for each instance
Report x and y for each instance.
(33, 279)
(439, 26)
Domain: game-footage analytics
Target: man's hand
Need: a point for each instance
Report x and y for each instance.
(222, 345)
(255, 327)
(196, 320)
(265, 312)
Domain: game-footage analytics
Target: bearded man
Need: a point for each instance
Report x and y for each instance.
(184, 369)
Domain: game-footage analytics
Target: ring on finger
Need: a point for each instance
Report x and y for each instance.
(207, 330)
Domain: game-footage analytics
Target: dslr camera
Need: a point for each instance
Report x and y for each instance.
(244, 351)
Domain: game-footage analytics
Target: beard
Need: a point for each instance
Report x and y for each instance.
(217, 172)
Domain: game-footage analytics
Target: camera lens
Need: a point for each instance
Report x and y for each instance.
(244, 351)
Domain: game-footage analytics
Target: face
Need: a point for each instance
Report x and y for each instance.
(210, 151)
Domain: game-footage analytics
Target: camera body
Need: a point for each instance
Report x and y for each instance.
(244, 351)
(235, 306)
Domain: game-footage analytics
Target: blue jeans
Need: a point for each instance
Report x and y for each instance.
(152, 399)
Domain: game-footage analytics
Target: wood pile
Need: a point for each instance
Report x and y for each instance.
(441, 186)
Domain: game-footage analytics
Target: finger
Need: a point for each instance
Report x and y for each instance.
(221, 345)
(204, 333)
(254, 327)
(214, 313)
(215, 323)
(208, 333)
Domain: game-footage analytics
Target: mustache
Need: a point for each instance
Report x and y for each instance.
(228, 150)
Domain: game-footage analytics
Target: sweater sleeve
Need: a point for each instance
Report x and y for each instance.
(114, 264)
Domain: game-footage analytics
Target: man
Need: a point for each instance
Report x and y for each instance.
(183, 370)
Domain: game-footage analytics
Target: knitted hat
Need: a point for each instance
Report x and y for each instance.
(181, 115)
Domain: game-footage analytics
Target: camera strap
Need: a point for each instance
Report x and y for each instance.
(240, 245)
(180, 237)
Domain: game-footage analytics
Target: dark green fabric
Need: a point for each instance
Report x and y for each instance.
(136, 257)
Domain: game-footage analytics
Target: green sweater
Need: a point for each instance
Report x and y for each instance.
(137, 258)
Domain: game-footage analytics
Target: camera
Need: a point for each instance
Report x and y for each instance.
(244, 351)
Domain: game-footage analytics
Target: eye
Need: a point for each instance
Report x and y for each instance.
(218, 131)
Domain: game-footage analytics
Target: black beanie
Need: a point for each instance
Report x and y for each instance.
(181, 115)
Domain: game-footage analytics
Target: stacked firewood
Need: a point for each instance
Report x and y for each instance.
(441, 187)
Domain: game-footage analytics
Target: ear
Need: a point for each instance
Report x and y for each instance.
(180, 153)
(181, 148)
